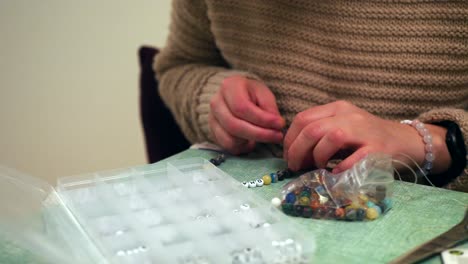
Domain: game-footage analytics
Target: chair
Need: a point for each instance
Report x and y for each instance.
(163, 137)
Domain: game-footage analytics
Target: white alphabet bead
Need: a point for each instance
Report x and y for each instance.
(259, 182)
(252, 184)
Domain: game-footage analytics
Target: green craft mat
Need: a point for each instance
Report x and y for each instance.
(419, 213)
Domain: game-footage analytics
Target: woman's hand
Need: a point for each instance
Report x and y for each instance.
(243, 112)
(320, 133)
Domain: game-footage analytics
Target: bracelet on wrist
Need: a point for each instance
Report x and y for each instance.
(426, 136)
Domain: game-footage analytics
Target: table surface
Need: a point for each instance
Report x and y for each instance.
(420, 213)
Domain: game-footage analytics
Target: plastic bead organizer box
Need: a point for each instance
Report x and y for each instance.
(188, 212)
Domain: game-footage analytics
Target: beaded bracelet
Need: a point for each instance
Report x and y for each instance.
(427, 138)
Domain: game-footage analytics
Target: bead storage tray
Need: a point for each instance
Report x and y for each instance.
(188, 211)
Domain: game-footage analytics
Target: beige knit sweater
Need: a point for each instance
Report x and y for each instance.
(398, 59)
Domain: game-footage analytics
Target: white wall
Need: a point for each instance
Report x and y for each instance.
(69, 83)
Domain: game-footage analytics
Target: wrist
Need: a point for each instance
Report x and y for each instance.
(420, 150)
(443, 160)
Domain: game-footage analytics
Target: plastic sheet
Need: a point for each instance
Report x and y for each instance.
(363, 192)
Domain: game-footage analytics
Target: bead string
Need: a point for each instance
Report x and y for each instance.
(268, 179)
(428, 148)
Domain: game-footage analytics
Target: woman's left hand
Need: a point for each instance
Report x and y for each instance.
(318, 134)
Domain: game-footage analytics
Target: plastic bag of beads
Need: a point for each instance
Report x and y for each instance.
(363, 192)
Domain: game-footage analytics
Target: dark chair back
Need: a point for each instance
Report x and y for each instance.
(163, 137)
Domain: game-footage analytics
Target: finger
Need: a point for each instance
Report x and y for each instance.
(304, 144)
(328, 146)
(263, 97)
(305, 118)
(351, 160)
(244, 129)
(232, 144)
(243, 107)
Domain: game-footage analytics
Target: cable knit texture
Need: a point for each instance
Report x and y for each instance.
(398, 59)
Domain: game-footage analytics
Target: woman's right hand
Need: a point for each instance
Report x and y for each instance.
(244, 112)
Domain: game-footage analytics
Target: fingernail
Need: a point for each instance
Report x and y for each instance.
(282, 122)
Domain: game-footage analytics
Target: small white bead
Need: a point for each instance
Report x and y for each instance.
(429, 147)
(252, 184)
(276, 202)
(245, 184)
(259, 182)
(430, 157)
(428, 139)
(142, 248)
(245, 206)
(423, 132)
(419, 126)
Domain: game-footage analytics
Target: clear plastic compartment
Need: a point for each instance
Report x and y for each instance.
(184, 211)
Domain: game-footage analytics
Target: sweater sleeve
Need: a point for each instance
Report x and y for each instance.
(460, 117)
(190, 69)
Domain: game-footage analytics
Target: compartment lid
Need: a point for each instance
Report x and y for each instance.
(36, 225)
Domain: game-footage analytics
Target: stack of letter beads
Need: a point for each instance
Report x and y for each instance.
(269, 179)
(313, 200)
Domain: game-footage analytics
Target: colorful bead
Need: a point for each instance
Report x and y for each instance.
(287, 208)
(252, 184)
(388, 204)
(372, 213)
(276, 202)
(363, 199)
(215, 162)
(259, 182)
(274, 177)
(305, 194)
(266, 179)
(354, 206)
(307, 212)
(382, 207)
(321, 212)
(315, 204)
(330, 212)
(350, 213)
(290, 198)
(360, 214)
(298, 209)
(280, 178)
(304, 201)
(340, 213)
(315, 196)
(370, 204)
(280, 175)
(297, 192)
